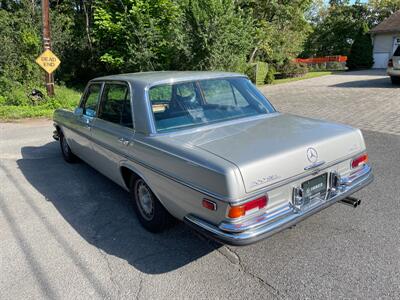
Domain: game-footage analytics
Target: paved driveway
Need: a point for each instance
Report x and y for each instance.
(364, 99)
(68, 232)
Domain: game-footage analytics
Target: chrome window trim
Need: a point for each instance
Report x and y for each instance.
(216, 125)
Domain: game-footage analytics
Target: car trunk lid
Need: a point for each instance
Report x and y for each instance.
(274, 148)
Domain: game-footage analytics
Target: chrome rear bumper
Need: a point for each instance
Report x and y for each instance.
(270, 223)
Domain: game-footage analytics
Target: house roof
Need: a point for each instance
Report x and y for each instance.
(389, 25)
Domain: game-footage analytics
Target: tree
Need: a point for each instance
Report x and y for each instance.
(141, 35)
(336, 32)
(220, 35)
(361, 56)
(381, 9)
(138, 35)
(281, 28)
(335, 28)
(20, 44)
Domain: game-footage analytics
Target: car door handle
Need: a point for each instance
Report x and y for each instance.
(123, 141)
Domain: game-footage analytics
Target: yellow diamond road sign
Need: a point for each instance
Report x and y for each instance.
(48, 61)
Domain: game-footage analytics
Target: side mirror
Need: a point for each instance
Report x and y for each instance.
(78, 111)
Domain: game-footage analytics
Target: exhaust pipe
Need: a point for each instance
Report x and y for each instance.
(354, 202)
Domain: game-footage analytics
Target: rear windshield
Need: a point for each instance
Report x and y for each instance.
(397, 52)
(196, 103)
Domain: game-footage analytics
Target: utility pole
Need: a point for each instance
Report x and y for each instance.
(49, 78)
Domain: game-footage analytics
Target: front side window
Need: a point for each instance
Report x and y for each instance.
(115, 105)
(196, 103)
(89, 103)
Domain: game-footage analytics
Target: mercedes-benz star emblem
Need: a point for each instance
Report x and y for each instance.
(312, 155)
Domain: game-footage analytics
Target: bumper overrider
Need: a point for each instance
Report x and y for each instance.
(263, 226)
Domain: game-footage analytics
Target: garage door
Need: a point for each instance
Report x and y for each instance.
(380, 60)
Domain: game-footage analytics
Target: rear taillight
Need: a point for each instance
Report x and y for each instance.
(360, 160)
(390, 63)
(248, 207)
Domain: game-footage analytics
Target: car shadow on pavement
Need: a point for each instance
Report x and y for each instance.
(100, 212)
(368, 72)
(383, 82)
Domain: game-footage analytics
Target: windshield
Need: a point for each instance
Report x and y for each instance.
(195, 103)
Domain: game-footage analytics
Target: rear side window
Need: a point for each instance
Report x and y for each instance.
(89, 103)
(115, 105)
(397, 52)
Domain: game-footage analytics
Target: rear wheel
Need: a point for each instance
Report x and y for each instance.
(395, 79)
(66, 150)
(150, 212)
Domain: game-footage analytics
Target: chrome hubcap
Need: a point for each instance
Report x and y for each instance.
(144, 200)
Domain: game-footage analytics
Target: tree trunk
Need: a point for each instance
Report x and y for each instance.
(87, 25)
(253, 54)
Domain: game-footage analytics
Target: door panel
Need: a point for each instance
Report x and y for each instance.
(80, 140)
(111, 143)
(112, 131)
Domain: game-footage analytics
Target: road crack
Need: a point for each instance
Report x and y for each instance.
(243, 269)
(234, 258)
(140, 289)
(110, 272)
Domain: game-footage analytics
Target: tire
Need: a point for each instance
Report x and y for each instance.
(150, 212)
(395, 80)
(66, 150)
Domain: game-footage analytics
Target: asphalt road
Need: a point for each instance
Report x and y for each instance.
(68, 232)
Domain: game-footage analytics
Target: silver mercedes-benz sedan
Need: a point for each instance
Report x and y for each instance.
(208, 148)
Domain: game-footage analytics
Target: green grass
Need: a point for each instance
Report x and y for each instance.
(64, 98)
(307, 76)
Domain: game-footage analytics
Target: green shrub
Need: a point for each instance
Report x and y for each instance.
(269, 79)
(16, 96)
(361, 52)
(257, 72)
(292, 69)
(3, 100)
(322, 66)
(335, 66)
(251, 72)
(313, 67)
